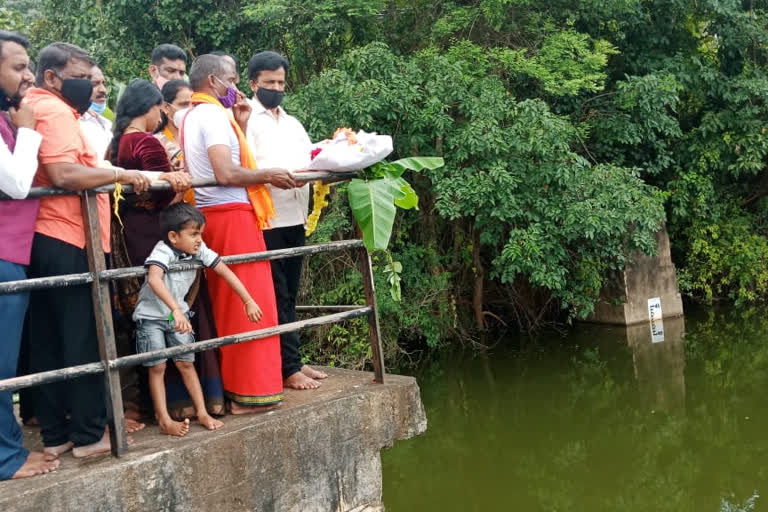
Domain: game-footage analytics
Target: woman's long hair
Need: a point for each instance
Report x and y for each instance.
(137, 99)
(169, 91)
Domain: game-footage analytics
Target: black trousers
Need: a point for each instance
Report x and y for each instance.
(26, 395)
(286, 274)
(62, 332)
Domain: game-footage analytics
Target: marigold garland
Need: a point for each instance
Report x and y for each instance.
(320, 192)
(321, 189)
(118, 196)
(351, 136)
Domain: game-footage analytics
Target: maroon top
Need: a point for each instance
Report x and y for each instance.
(142, 151)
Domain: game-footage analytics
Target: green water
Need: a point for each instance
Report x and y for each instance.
(600, 420)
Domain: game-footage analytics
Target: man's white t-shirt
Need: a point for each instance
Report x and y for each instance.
(205, 126)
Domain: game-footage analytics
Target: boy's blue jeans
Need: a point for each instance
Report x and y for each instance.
(160, 334)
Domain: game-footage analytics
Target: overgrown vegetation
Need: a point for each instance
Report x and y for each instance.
(570, 131)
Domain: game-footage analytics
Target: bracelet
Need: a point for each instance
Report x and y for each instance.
(117, 174)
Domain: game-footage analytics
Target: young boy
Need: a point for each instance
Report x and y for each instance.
(161, 312)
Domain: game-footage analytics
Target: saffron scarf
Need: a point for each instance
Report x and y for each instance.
(258, 195)
(189, 195)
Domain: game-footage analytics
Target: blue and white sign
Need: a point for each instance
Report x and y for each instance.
(656, 317)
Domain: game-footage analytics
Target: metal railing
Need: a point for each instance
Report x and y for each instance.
(99, 278)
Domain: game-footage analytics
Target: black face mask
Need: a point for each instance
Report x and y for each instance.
(8, 101)
(269, 98)
(77, 92)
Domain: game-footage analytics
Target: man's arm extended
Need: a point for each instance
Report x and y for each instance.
(229, 174)
(72, 176)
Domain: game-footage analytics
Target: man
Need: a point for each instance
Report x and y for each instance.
(279, 140)
(232, 60)
(169, 62)
(214, 145)
(72, 414)
(19, 144)
(97, 128)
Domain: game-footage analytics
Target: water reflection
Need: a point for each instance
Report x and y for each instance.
(604, 419)
(658, 357)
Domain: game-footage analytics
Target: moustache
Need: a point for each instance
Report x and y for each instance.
(101, 96)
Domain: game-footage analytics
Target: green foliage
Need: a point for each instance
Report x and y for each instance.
(545, 214)
(373, 204)
(567, 63)
(727, 259)
(382, 188)
(636, 125)
(11, 19)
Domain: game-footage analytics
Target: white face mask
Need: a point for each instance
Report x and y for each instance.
(179, 116)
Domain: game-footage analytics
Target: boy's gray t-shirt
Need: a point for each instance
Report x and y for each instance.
(149, 306)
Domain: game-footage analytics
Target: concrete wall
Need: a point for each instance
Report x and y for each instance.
(319, 452)
(625, 297)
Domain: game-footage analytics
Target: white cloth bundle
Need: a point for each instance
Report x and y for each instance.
(339, 155)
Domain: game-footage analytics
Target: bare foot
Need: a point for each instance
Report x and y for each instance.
(36, 464)
(300, 381)
(209, 422)
(312, 373)
(132, 414)
(131, 425)
(103, 445)
(249, 409)
(42, 456)
(174, 428)
(58, 449)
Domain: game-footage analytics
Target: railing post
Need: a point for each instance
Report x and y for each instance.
(102, 310)
(366, 269)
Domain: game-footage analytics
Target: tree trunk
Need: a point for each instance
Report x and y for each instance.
(477, 296)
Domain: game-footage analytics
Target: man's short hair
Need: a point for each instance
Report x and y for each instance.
(225, 54)
(7, 36)
(202, 67)
(169, 52)
(56, 56)
(266, 61)
(178, 216)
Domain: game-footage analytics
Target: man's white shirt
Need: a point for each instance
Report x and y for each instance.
(17, 169)
(281, 142)
(98, 132)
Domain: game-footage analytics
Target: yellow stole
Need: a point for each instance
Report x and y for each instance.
(189, 195)
(258, 195)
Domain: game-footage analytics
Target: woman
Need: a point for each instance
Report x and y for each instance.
(177, 95)
(134, 147)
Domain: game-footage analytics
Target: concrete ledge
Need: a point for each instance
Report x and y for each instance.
(318, 452)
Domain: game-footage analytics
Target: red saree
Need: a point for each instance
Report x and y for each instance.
(250, 371)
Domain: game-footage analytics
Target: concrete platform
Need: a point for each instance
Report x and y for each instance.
(318, 452)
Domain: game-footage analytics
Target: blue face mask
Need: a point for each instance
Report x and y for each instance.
(98, 107)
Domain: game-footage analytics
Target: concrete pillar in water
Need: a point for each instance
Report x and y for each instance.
(646, 287)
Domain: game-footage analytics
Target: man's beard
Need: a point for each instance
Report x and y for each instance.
(8, 101)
